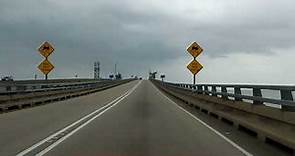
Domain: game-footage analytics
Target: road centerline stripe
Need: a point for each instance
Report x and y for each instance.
(84, 124)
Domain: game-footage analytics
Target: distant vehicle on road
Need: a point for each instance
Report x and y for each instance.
(7, 78)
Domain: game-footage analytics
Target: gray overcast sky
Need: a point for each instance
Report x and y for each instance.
(245, 41)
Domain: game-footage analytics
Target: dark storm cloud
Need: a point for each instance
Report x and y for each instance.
(137, 35)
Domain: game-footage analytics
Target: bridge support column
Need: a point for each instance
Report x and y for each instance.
(224, 90)
(257, 93)
(214, 91)
(194, 88)
(238, 92)
(287, 95)
(206, 90)
(200, 90)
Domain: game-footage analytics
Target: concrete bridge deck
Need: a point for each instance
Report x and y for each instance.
(131, 119)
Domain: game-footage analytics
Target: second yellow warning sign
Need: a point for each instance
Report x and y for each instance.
(194, 67)
(46, 67)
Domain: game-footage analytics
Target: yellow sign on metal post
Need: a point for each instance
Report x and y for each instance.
(46, 49)
(194, 49)
(194, 67)
(45, 67)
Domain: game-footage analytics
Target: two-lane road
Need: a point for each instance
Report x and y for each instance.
(140, 122)
(21, 129)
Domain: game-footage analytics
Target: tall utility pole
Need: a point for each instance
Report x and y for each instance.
(96, 70)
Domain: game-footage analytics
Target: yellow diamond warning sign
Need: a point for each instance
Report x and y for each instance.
(45, 67)
(194, 67)
(194, 49)
(46, 49)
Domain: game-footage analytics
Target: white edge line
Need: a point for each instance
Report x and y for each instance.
(64, 129)
(26, 151)
(209, 127)
(84, 124)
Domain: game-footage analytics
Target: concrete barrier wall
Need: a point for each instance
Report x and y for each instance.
(264, 122)
(14, 102)
(29, 84)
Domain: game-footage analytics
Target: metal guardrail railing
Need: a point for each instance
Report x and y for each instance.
(285, 101)
(30, 97)
(13, 89)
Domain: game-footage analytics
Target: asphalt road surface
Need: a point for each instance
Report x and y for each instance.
(133, 119)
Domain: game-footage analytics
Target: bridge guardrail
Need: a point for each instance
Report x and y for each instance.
(45, 89)
(9, 88)
(24, 98)
(268, 124)
(286, 100)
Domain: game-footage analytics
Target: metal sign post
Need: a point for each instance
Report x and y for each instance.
(194, 81)
(195, 50)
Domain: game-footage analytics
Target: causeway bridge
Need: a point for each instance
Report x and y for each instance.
(145, 117)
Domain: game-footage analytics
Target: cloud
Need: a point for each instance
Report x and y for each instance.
(248, 68)
(138, 35)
